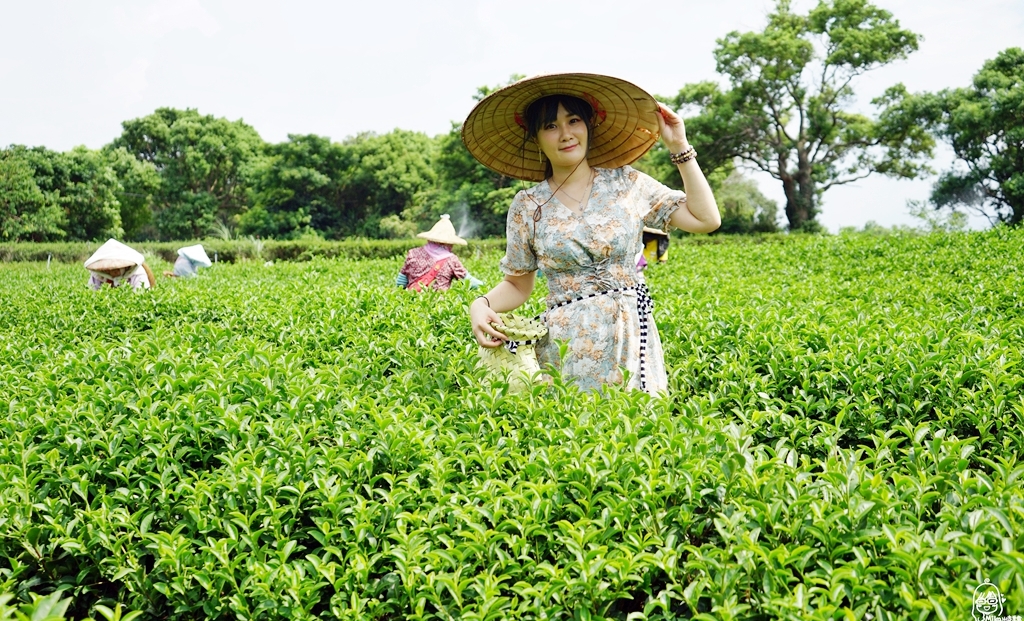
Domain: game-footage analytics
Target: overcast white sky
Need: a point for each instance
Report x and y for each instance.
(72, 70)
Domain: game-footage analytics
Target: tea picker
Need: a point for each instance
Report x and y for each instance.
(434, 265)
(575, 135)
(115, 264)
(190, 259)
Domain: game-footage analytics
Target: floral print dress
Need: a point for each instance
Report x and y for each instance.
(593, 285)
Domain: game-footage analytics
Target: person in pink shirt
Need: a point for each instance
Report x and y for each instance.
(434, 265)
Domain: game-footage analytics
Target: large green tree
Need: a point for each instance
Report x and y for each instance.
(202, 161)
(140, 183)
(298, 181)
(744, 208)
(476, 197)
(26, 212)
(89, 190)
(984, 124)
(385, 175)
(79, 183)
(787, 110)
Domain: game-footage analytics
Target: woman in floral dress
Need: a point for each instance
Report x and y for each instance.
(582, 224)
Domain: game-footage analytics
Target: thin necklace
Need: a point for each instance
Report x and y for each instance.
(586, 193)
(537, 211)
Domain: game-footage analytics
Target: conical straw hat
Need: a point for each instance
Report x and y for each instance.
(113, 255)
(624, 128)
(443, 232)
(196, 254)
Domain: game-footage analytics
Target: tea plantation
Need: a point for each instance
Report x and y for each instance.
(842, 441)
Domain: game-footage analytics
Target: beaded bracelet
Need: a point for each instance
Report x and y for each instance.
(485, 300)
(683, 156)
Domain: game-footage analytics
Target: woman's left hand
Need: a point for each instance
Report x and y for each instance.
(673, 132)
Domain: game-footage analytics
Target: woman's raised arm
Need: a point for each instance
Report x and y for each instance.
(701, 214)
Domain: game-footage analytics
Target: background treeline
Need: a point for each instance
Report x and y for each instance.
(178, 174)
(784, 106)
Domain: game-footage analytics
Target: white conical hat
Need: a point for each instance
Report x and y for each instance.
(196, 254)
(113, 255)
(443, 232)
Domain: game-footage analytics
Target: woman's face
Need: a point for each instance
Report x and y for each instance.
(116, 272)
(564, 140)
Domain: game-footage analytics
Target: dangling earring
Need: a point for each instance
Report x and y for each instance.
(540, 156)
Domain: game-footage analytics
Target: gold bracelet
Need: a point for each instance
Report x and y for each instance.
(683, 156)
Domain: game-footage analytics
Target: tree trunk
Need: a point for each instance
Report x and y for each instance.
(800, 195)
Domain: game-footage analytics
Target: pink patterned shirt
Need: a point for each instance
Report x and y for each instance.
(418, 262)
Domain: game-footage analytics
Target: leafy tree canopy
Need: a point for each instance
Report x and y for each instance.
(140, 182)
(984, 124)
(744, 208)
(202, 161)
(476, 197)
(26, 212)
(72, 195)
(787, 110)
(298, 182)
(89, 191)
(386, 174)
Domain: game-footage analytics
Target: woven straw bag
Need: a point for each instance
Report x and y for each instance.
(516, 360)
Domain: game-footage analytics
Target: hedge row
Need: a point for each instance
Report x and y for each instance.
(230, 251)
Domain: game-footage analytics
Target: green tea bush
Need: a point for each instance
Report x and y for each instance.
(304, 440)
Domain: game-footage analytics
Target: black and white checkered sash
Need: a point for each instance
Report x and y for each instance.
(644, 310)
(513, 346)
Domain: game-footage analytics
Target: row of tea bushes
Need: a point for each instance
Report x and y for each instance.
(306, 441)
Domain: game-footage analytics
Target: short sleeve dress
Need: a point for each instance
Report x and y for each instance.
(597, 301)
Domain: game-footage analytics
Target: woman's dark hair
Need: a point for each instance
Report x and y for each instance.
(545, 110)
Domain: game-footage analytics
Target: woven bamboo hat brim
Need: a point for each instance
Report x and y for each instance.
(104, 265)
(443, 232)
(624, 127)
